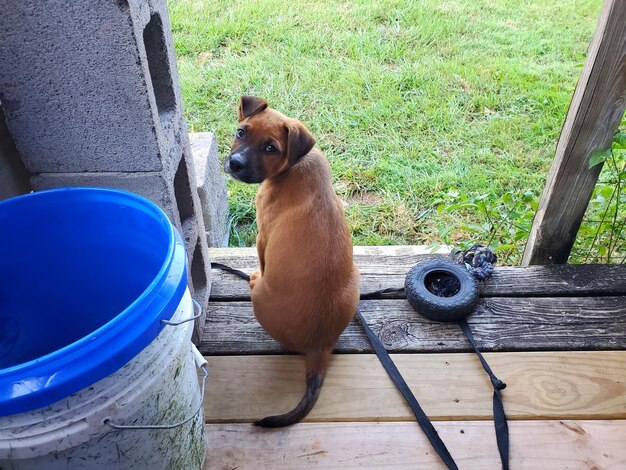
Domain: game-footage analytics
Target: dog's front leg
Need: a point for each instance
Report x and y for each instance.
(260, 248)
(253, 278)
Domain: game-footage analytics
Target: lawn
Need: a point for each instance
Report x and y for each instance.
(413, 102)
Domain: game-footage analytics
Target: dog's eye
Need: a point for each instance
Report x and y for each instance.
(240, 132)
(270, 148)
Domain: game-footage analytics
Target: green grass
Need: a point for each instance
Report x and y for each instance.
(407, 99)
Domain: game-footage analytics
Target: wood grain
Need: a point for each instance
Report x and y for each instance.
(535, 445)
(596, 110)
(540, 385)
(384, 267)
(381, 266)
(499, 324)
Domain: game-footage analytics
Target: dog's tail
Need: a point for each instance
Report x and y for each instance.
(316, 364)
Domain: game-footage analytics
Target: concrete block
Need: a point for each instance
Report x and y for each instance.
(193, 230)
(74, 86)
(150, 20)
(91, 86)
(172, 193)
(187, 199)
(211, 186)
(199, 271)
(14, 179)
(184, 181)
(151, 185)
(92, 98)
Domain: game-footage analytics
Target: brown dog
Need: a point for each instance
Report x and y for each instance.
(307, 289)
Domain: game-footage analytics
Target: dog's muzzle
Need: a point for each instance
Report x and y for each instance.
(235, 164)
(242, 168)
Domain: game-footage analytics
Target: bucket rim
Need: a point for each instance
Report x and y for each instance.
(147, 294)
(160, 297)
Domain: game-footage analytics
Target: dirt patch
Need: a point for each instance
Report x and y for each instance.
(364, 198)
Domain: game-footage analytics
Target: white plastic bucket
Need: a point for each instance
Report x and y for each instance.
(158, 387)
(95, 335)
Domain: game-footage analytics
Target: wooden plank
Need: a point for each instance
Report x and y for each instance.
(391, 264)
(556, 280)
(383, 267)
(596, 110)
(535, 445)
(390, 251)
(540, 385)
(499, 324)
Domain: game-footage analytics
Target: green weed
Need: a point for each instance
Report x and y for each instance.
(500, 222)
(602, 235)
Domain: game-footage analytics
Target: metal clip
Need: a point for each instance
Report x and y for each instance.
(201, 364)
(196, 308)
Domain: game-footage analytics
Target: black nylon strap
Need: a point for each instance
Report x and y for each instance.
(228, 269)
(380, 294)
(499, 417)
(398, 380)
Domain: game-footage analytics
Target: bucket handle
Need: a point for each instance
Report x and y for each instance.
(197, 310)
(202, 364)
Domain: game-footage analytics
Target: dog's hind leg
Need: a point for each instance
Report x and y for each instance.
(254, 277)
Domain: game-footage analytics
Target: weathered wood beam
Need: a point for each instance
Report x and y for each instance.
(594, 114)
(499, 324)
(383, 267)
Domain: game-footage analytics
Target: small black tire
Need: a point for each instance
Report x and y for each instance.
(441, 308)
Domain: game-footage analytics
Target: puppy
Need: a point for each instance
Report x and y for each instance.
(307, 288)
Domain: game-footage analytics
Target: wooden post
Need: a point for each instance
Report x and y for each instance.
(596, 110)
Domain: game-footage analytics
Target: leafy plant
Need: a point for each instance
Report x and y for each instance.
(602, 235)
(501, 222)
(504, 222)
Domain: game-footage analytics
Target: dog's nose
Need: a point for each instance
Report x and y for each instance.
(236, 163)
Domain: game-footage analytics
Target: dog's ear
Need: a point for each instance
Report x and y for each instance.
(299, 141)
(248, 105)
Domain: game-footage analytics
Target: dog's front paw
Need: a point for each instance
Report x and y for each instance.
(253, 278)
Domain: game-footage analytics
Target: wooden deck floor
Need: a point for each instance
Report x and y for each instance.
(556, 335)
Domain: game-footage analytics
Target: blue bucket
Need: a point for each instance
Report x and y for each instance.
(86, 276)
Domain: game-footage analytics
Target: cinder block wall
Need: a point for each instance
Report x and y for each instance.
(14, 179)
(92, 98)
